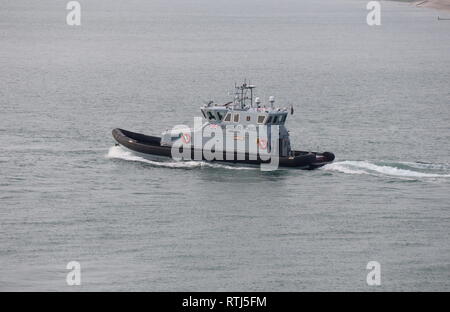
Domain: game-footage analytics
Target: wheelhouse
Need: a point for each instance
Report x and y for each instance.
(244, 117)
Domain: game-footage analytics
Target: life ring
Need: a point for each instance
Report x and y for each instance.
(186, 138)
(262, 143)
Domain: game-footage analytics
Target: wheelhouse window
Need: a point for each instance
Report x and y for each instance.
(228, 117)
(275, 120)
(211, 116)
(269, 120)
(236, 118)
(220, 115)
(261, 119)
(283, 119)
(248, 118)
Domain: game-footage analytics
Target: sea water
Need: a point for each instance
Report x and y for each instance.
(376, 96)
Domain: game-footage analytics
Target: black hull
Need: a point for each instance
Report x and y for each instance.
(151, 145)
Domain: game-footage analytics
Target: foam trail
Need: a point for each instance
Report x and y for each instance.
(365, 167)
(120, 152)
(426, 166)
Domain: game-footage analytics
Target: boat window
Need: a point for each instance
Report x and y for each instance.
(275, 120)
(220, 115)
(261, 119)
(211, 116)
(283, 119)
(227, 117)
(248, 118)
(269, 120)
(236, 118)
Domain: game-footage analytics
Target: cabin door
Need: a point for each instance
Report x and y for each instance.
(283, 147)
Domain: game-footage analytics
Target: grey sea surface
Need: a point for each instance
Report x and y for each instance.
(376, 96)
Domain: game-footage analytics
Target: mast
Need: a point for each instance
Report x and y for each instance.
(240, 95)
(251, 87)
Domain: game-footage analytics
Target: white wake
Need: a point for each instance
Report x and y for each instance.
(120, 152)
(366, 167)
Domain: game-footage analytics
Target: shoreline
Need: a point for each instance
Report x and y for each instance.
(441, 5)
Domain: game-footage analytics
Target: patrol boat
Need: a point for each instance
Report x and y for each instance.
(240, 122)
